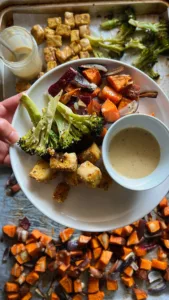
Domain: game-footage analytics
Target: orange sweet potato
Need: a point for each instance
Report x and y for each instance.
(76, 253)
(166, 275)
(103, 133)
(36, 234)
(92, 75)
(97, 252)
(126, 251)
(17, 248)
(140, 294)
(11, 287)
(9, 230)
(119, 82)
(118, 231)
(95, 92)
(21, 279)
(94, 243)
(153, 226)
(28, 296)
(13, 296)
(129, 271)
(128, 281)
(78, 297)
(166, 211)
(33, 248)
(41, 264)
(163, 225)
(93, 285)
(84, 240)
(124, 102)
(133, 239)
(108, 93)
(54, 296)
(127, 230)
(30, 240)
(62, 269)
(161, 254)
(139, 251)
(117, 240)
(112, 285)
(145, 264)
(160, 265)
(94, 107)
(45, 239)
(66, 234)
(77, 286)
(22, 257)
(50, 250)
(67, 96)
(166, 243)
(163, 203)
(104, 240)
(110, 111)
(98, 296)
(67, 284)
(32, 277)
(16, 270)
(105, 257)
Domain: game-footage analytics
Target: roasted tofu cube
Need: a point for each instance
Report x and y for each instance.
(22, 86)
(75, 46)
(54, 40)
(64, 162)
(69, 19)
(91, 154)
(42, 172)
(49, 53)
(63, 30)
(49, 31)
(89, 174)
(71, 178)
(40, 74)
(38, 34)
(53, 22)
(84, 30)
(85, 44)
(63, 55)
(75, 57)
(82, 19)
(51, 65)
(75, 36)
(105, 182)
(61, 192)
(84, 54)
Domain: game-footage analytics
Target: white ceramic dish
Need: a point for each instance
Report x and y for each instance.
(159, 131)
(88, 209)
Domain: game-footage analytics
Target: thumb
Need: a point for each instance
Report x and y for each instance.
(7, 133)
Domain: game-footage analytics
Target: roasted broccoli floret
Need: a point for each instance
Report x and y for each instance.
(157, 27)
(135, 44)
(116, 48)
(113, 23)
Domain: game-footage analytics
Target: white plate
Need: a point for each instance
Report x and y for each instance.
(88, 209)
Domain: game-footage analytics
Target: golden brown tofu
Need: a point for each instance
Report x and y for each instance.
(61, 192)
(84, 30)
(71, 178)
(40, 74)
(92, 154)
(69, 19)
(51, 65)
(38, 34)
(85, 44)
(42, 172)
(49, 31)
(84, 54)
(105, 182)
(75, 46)
(49, 53)
(53, 22)
(89, 174)
(64, 162)
(75, 57)
(64, 54)
(54, 40)
(63, 30)
(75, 36)
(22, 86)
(82, 19)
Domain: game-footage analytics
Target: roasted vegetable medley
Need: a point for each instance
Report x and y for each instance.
(92, 264)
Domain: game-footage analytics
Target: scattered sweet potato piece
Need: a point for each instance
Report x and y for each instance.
(118, 231)
(30, 240)
(67, 97)
(127, 230)
(112, 285)
(129, 271)
(11, 287)
(163, 225)
(103, 133)
(110, 111)
(21, 279)
(160, 265)
(17, 248)
(139, 251)
(153, 226)
(28, 296)
(92, 75)
(163, 203)
(140, 294)
(145, 264)
(62, 269)
(9, 230)
(119, 82)
(166, 275)
(126, 251)
(124, 102)
(128, 281)
(108, 93)
(105, 257)
(41, 264)
(66, 234)
(33, 248)
(94, 107)
(95, 92)
(166, 243)
(97, 252)
(77, 286)
(93, 285)
(16, 270)
(54, 296)
(133, 239)
(166, 211)
(104, 240)
(97, 296)
(36, 234)
(67, 284)
(94, 243)
(13, 296)
(22, 257)
(117, 240)
(32, 277)
(76, 253)
(161, 254)
(84, 240)
(45, 239)
(78, 297)
(50, 250)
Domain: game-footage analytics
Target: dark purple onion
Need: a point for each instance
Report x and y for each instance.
(132, 92)
(157, 286)
(24, 223)
(96, 273)
(141, 228)
(85, 98)
(84, 264)
(73, 245)
(81, 82)
(93, 66)
(149, 246)
(6, 255)
(114, 72)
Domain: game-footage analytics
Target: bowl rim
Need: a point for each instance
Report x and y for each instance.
(106, 160)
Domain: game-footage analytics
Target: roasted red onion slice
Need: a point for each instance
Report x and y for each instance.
(148, 94)
(93, 66)
(154, 276)
(81, 82)
(129, 109)
(157, 286)
(113, 72)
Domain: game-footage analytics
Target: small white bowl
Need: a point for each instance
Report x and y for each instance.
(159, 131)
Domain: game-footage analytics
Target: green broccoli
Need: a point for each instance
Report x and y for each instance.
(110, 24)
(94, 41)
(135, 44)
(31, 109)
(157, 27)
(118, 49)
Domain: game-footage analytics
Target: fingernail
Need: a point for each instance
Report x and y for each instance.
(13, 137)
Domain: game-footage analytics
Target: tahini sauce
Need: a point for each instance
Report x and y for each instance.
(134, 153)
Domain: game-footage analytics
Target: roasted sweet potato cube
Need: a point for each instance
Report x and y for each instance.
(97, 252)
(98, 296)
(36, 234)
(13, 296)
(27, 296)
(17, 248)
(104, 240)
(161, 254)
(33, 248)
(166, 275)
(41, 264)
(119, 82)
(109, 111)
(139, 251)
(112, 285)
(140, 294)
(66, 234)
(95, 243)
(163, 203)
(160, 265)
(67, 284)
(32, 277)
(77, 297)
(145, 264)
(109, 93)
(92, 75)
(133, 239)
(117, 240)
(127, 230)
(77, 286)
(126, 251)
(11, 287)
(153, 226)
(129, 271)
(105, 257)
(9, 230)
(166, 243)
(54, 296)
(16, 270)
(124, 102)
(22, 257)
(84, 240)
(128, 281)
(53, 22)
(93, 285)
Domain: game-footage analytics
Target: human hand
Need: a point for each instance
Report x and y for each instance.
(8, 134)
